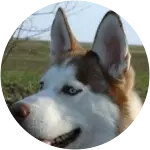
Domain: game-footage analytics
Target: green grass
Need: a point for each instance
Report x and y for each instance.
(25, 65)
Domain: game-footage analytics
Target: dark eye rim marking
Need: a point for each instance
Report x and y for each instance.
(70, 90)
(41, 85)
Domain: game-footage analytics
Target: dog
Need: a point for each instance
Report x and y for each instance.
(86, 97)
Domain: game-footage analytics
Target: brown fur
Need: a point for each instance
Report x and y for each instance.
(91, 73)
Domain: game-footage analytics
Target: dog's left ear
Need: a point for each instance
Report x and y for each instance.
(111, 46)
(62, 39)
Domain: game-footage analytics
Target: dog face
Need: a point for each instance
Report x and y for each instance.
(73, 108)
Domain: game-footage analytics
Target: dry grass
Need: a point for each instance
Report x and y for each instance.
(25, 65)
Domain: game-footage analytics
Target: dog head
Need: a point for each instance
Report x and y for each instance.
(73, 108)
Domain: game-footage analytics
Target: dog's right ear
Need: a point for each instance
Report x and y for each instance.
(111, 46)
(62, 39)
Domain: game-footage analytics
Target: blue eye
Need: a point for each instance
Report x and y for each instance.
(69, 90)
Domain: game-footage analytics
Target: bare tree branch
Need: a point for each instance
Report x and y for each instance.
(13, 45)
(79, 11)
(31, 30)
(28, 27)
(44, 13)
(69, 9)
(41, 32)
(72, 7)
(47, 13)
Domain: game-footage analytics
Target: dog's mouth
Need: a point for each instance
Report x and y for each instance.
(65, 139)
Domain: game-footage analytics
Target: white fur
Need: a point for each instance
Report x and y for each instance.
(136, 102)
(54, 113)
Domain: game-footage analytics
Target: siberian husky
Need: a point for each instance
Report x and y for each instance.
(83, 95)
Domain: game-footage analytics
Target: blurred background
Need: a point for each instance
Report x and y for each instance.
(27, 54)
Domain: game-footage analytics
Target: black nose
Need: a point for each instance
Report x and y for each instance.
(20, 111)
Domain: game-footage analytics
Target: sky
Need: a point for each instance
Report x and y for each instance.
(83, 23)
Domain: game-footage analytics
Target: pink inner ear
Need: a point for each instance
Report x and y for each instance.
(112, 51)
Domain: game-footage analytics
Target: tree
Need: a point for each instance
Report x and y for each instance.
(28, 26)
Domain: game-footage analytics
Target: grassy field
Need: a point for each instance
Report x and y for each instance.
(21, 72)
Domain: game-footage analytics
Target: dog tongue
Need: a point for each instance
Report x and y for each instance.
(46, 142)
